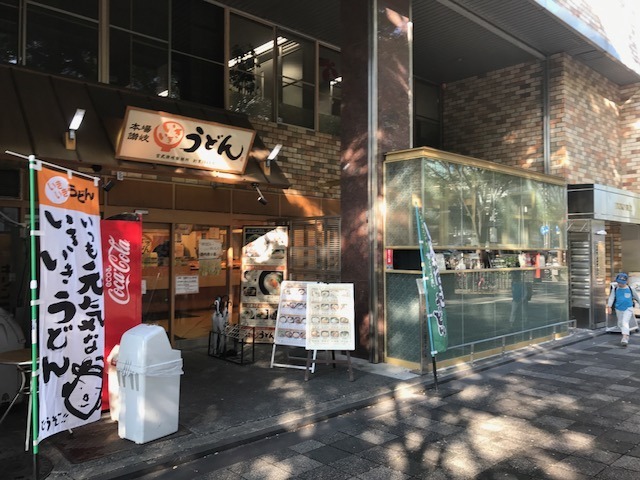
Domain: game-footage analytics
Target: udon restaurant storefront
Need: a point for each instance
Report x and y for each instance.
(199, 207)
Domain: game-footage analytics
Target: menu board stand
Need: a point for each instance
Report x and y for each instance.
(290, 365)
(316, 316)
(312, 362)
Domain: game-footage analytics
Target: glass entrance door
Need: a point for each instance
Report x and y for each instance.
(200, 269)
(184, 270)
(156, 274)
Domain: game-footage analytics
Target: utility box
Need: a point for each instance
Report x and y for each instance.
(149, 384)
(11, 338)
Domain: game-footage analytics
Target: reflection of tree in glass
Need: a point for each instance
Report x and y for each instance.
(241, 77)
(476, 193)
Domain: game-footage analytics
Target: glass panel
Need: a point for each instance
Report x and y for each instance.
(427, 100)
(9, 32)
(503, 272)
(556, 207)
(509, 210)
(296, 75)
(200, 275)
(60, 44)
(427, 133)
(329, 91)
(292, 109)
(402, 179)
(251, 67)
(138, 63)
(155, 274)
(148, 17)
(198, 29)
(197, 81)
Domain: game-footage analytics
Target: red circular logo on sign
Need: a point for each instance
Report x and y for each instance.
(168, 135)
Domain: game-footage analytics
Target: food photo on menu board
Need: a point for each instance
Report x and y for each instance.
(291, 322)
(263, 266)
(331, 317)
(265, 245)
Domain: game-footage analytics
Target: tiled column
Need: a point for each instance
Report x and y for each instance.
(376, 118)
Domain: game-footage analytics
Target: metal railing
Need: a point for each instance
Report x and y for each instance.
(571, 324)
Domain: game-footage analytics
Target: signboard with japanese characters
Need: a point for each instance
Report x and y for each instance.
(264, 264)
(71, 312)
(159, 137)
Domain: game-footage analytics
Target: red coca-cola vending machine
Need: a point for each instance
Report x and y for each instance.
(122, 272)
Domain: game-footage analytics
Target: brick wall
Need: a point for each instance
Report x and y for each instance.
(310, 160)
(497, 116)
(587, 125)
(630, 137)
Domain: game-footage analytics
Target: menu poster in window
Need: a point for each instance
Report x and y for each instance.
(291, 324)
(331, 317)
(264, 257)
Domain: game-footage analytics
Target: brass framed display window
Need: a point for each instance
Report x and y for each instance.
(499, 234)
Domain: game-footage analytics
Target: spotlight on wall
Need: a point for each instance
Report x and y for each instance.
(273, 154)
(70, 135)
(261, 198)
(108, 185)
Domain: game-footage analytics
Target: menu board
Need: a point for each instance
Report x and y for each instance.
(291, 325)
(317, 316)
(264, 263)
(331, 316)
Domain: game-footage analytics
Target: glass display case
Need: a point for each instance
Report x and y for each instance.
(499, 235)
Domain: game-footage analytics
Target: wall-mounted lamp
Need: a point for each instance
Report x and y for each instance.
(108, 185)
(70, 135)
(261, 198)
(273, 154)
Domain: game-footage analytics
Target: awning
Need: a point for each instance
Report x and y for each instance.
(37, 109)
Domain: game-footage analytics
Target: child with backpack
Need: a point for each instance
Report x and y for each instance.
(621, 299)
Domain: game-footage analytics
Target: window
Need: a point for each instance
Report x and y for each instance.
(296, 80)
(10, 183)
(197, 58)
(251, 68)
(329, 91)
(9, 32)
(62, 43)
(427, 115)
(139, 53)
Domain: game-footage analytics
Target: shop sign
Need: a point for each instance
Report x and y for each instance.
(615, 205)
(159, 137)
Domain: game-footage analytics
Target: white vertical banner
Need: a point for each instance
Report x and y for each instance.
(71, 313)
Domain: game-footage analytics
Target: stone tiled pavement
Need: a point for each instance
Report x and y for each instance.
(570, 413)
(568, 410)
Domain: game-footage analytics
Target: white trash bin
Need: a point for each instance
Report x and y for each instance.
(149, 381)
(11, 338)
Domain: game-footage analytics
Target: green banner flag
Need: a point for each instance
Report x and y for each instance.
(434, 296)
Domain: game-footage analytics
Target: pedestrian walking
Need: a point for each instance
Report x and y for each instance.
(621, 298)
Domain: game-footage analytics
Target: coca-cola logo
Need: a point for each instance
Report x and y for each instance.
(117, 271)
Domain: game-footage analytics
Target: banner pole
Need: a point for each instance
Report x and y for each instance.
(34, 315)
(426, 296)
